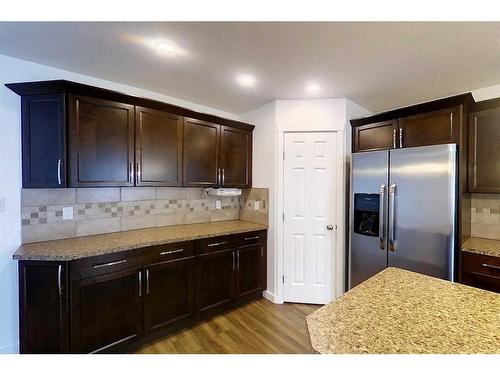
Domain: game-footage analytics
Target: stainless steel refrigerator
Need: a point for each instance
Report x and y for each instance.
(404, 212)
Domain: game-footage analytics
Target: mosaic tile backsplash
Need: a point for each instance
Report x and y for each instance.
(104, 210)
(485, 216)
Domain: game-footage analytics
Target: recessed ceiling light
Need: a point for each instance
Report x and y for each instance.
(168, 48)
(246, 80)
(313, 88)
(165, 47)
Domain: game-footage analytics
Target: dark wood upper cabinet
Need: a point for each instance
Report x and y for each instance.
(106, 311)
(101, 142)
(43, 297)
(43, 141)
(484, 151)
(169, 293)
(201, 145)
(249, 269)
(236, 157)
(431, 128)
(377, 136)
(158, 148)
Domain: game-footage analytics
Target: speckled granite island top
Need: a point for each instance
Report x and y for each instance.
(398, 311)
(482, 246)
(82, 247)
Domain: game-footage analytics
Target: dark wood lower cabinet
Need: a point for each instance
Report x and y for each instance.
(106, 311)
(101, 305)
(481, 271)
(169, 293)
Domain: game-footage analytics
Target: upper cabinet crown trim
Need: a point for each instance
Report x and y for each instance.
(452, 101)
(63, 86)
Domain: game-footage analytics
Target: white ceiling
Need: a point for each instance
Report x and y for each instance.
(377, 65)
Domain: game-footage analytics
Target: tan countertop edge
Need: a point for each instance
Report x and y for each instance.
(100, 244)
(402, 312)
(483, 246)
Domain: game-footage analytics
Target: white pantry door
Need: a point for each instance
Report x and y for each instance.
(309, 217)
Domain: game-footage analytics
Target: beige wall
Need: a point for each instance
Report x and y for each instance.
(485, 216)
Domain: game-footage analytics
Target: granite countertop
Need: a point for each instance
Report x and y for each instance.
(82, 247)
(482, 246)
(399, 311)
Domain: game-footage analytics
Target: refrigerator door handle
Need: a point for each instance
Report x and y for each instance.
(381, 220)
(392, 214)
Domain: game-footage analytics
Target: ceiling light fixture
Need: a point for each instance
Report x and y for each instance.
(168, 48)
(313, 88)
(246, 80)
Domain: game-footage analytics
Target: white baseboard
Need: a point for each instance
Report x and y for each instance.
(271, 297)
(10, 349)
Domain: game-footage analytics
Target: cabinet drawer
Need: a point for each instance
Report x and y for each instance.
(104, 264)
(171, 251)
(210, 245)
(479, 280)
(250, 238)
(483, 264)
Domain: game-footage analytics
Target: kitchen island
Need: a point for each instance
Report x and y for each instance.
(398, 311)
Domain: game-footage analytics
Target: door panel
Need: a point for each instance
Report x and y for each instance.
(437, 127)
(215, 275)
(236, 157)
(169, 293)
(378, 136)
(368, 254)
(158, 148)
(201, 153)
(309, 177)
(106, 311)
(423, 219)
(249, 269)
(101, 142)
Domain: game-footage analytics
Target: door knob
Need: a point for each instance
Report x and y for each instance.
(329, 227)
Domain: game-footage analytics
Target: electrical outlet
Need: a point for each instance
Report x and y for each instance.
(67, 213)
(218, 204)
(2, 204)
(256, 205)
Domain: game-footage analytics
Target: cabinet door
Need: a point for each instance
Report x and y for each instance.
(378, 136)
(169, 293)
(43, 141)
(43, 307)
(236, 157)
(106, 311)
(158, 148)
(430, 128)
(249, 269)
(101, 142)
(484, 151)
(215, 280)
(200, 153)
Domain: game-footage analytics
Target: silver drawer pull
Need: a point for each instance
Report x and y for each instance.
(252, 238)
(491, 266)
(110, 264)
(216, 244)
(171, 252)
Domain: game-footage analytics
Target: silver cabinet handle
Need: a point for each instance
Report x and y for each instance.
(59, 165)
(381, 220)
(131, 171)
(216, 244)
(400, 137)
(147, 281)
(59, 279)
(252, 238)
(233, 260)
(140, 283)
(491, 266)
(392, 214)
(223, 177)
(171, 252)
(394, 138)
(218, 177)
(110, 264)
(138, 171)
(238, 260)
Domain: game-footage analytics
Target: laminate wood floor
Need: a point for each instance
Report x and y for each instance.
(257, 327)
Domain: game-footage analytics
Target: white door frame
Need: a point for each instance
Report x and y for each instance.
(339, 213)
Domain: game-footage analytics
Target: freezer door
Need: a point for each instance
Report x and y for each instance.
(368, 215)
(422, 204)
